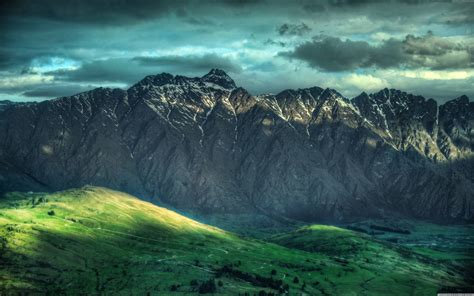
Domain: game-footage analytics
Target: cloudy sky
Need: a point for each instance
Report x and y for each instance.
(54, 48)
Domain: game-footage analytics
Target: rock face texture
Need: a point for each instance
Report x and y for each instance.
(5, 104)
(204, 144)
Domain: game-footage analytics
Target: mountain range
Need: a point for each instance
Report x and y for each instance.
(205, 145)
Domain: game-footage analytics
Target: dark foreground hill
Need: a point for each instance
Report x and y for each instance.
(205, 145)
(98, 241)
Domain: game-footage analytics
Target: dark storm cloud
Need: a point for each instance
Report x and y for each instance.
(450, 12)
(94, 12)
(10, 57)
(438, 53)
(428, 51)
(365, 2)
(334, 54)
(112, 12)
(54, 91)
(270, 41)
(111, 70)
(191, 63)
(124, 70)
(294, 29)
(462, 14)
(359, 3)
(71, 43)
(239, 3)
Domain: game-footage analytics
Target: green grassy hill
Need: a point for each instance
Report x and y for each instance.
(95, 240)
(381, 263)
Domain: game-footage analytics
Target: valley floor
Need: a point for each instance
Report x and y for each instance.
(98, 241)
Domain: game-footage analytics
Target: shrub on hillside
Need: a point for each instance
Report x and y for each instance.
(208, 286)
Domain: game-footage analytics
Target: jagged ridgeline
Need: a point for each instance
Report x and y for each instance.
(205, 145)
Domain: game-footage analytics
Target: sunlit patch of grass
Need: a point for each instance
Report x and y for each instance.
(94, 240)
(374, 263)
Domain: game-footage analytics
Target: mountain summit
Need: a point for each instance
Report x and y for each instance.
(203, 144)
(220, 78)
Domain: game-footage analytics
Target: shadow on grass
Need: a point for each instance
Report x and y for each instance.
(95, 260)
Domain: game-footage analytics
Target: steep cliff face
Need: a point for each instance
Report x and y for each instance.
(413, 123)
(207, 145)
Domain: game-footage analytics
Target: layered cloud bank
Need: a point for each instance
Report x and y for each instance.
(56, 48)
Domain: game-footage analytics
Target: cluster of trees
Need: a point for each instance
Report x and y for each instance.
(210, 286)
(358, 229)
(37, 201)
(256, 280)
(260, 293)
(205, 287)
(390, 229)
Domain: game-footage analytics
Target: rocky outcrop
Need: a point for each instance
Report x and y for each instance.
(5, 104)
(204, 144)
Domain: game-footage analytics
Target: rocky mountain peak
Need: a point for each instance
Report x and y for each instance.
(217, 72)
(300, 93)
(331, 97)
(179, 86)
(203, 144)
(158, 80)
(5, 104)
(464, 99)
(460, 110)
(393, 103)
(331, 94)
(460, 102)
(219, 77)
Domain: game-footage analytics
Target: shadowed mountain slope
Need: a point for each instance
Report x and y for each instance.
(205, 145)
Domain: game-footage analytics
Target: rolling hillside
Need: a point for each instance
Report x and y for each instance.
(95, 240)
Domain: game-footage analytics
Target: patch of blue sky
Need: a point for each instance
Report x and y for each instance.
(53, 63)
